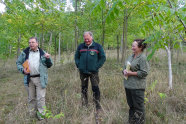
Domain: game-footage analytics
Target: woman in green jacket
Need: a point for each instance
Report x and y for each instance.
(135, 83)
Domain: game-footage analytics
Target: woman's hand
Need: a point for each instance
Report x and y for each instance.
(125, 72)
(129, 73)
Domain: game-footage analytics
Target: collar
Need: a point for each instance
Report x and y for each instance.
(137, 55)
(33, 50)
(92, 44)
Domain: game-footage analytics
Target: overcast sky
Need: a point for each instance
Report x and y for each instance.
(2, 7)
(68, 7)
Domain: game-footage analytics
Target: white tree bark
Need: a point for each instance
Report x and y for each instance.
(170, 66)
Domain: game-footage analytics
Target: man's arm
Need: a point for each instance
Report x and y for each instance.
(20, 62)
(77, 57)
(48, 61)
(101, 57)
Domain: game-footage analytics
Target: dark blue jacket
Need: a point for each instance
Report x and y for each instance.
(89, 59)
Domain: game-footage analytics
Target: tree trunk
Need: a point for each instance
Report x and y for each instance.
(18, 45)
(124, 38)
(55, 51)
(181, 47)
(50, 43)
(10, 49)
(125, 32)
(170, 65)
(76, 28)
(72, 47)
(90, 23)
(121, 47)
(67, 46)
(59, 49)
(177, 56)
(103, 29)
(41, 42)
(117, 48)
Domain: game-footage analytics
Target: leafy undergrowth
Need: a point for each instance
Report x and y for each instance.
(63, 95)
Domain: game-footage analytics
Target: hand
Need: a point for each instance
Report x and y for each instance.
(47, 55)
(25, 71)
(129, 73)
(125, 72)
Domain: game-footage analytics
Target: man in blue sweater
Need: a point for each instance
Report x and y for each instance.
(89, 57)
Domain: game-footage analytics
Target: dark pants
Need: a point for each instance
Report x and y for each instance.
(94, 78)
(135, 100)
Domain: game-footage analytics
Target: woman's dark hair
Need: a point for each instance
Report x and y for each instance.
(141, 44)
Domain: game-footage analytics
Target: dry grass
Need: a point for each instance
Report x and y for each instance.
(63, 93)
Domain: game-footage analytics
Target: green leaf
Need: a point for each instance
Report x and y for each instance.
(120, 3)
(153, 85)
(151, 54)
(143, 31)
(116, 11)
(161, 16)
(95, 7)
(162, 95)
(112, 15)
(102, 3)
(110, 12)
(146, 100)
(59, 115)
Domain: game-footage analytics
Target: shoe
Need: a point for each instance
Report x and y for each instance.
(99, 116)
(99, 112)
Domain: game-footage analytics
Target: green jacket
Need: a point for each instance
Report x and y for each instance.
(43, 66)
(89, 59)
(141, 66)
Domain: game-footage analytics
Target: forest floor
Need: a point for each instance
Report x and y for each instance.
(163, 106)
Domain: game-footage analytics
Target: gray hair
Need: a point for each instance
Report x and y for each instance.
(88, 32)
(33, 38)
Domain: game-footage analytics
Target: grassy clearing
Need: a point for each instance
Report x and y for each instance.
(63, 93)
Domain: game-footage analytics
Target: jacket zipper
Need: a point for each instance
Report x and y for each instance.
(87, 59)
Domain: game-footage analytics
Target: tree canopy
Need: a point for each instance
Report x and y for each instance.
(161, 22)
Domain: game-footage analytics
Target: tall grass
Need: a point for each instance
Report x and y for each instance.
(64, 93)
